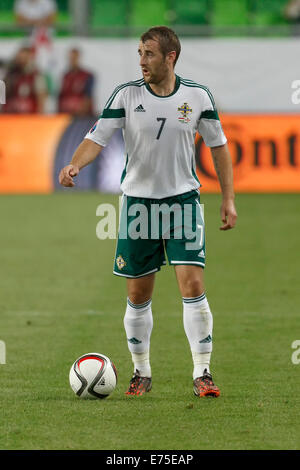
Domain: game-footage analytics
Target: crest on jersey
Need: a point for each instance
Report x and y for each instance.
(184, 111)
(120, 262)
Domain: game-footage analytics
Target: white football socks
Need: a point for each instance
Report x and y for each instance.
(138, 323)
(201, 362)
(141, 362)
(198, 324)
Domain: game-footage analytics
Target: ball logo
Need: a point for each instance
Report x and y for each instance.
(102, 382)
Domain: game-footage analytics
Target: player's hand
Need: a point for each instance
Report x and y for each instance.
(67, 174)
(228, 214)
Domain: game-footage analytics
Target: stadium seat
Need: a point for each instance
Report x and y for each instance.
(192, 12)
(235, 13)
(149, 13)
(108, 13)
(269, 12)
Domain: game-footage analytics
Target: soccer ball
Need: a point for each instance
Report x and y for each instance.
(93, 375)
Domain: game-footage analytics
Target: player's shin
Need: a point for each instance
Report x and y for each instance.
(198, 324)
(138, 323)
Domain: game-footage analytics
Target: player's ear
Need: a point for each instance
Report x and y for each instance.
(172, 57)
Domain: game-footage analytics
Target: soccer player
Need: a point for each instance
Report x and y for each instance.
(160, 115)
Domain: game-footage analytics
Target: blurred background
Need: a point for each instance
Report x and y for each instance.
(60, 61)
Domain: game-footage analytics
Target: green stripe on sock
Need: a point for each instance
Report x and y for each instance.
(138, 306)
(191, 300)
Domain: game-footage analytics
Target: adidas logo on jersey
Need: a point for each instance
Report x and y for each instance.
(140, 109)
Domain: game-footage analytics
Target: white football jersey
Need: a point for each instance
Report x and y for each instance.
(159, 135)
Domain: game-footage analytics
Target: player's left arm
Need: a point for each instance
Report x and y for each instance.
(223, 166)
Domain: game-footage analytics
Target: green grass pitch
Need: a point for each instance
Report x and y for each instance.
(59, 300)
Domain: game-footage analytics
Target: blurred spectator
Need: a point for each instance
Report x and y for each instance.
(2, 69)
(292, 14)
(76, 94)
(26, 89)
(2, 89)
(34, 13)
(292, 11)
(38, 17)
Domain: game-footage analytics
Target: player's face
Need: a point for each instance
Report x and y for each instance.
(153, 63)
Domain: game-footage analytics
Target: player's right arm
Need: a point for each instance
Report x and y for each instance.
(85, 153)
(112, 118)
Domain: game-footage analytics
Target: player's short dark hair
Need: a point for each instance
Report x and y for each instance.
(167, 39)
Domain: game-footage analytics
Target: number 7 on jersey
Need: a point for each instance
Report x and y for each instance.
(161, 126)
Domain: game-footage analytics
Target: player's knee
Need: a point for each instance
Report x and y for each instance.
(192, 288)
(138, 297)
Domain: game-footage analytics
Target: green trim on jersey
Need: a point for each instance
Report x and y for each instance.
(177, 85)
(190, 83)
(210, 114)
(113, 113)
(138, 83)
(125, 170)
(195, 175)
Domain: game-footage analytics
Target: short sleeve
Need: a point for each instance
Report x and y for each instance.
(111, 119)
(209, 126)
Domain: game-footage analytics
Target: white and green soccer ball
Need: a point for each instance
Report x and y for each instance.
(93, 375)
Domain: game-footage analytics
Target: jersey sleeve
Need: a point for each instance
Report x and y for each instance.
(111, 119)
(209, 126)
